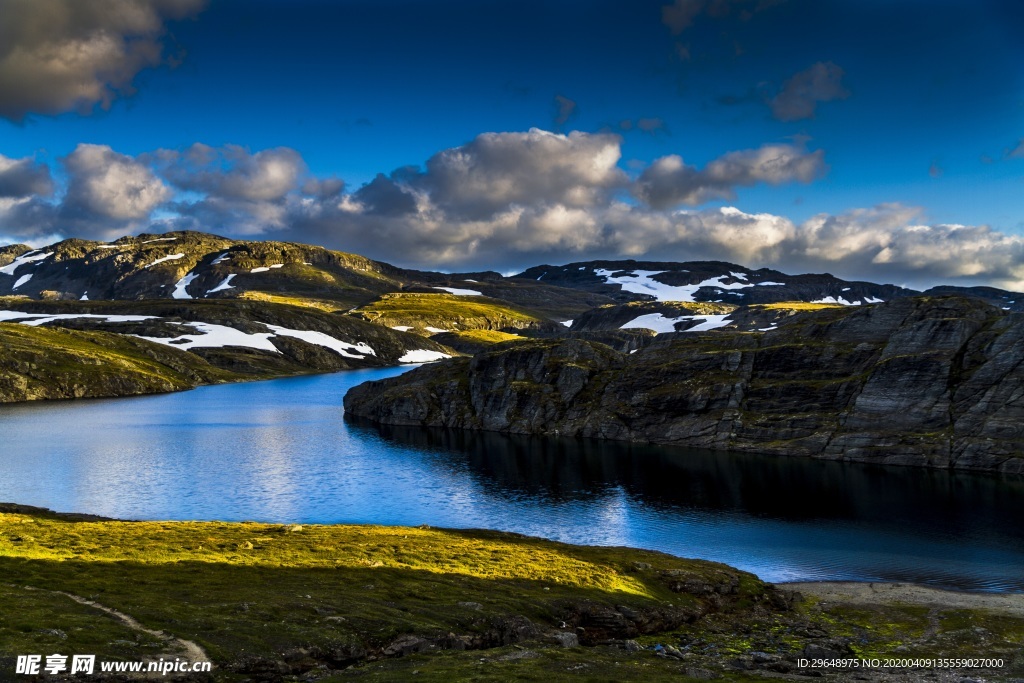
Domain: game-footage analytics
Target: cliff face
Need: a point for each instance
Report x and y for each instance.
(932, 382)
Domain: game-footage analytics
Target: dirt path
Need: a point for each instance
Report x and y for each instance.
(186, 648)
(910, 594)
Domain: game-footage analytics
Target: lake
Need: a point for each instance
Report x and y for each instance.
(281, 451)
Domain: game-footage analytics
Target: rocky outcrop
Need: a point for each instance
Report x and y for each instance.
(934, 382)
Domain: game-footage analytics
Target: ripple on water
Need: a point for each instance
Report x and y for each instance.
(280, 451)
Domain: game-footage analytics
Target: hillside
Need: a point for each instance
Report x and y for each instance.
(399, 603)
(917, 381)
(65, 349)
(40, 363)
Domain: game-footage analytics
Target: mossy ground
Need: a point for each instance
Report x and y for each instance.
(324, 603)
(447, 312)
(796, 306)
(474, 341)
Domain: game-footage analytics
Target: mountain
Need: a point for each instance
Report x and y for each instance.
(721, 282)
(929, 381)
(193, 265)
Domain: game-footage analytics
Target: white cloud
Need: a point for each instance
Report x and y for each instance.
(107, 191)
(669, 181)
(24, 178)
(497, 170)
(66, 55)
(506, 201)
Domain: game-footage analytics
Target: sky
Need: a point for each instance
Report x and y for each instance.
(869, 139)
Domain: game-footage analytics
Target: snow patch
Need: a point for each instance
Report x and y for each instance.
(224, 285)
(401, 328)
(220, 259)
(435, 330)
(422, 356)
(263, 269)
(567, 323)
(835, 300)
(641, 282)
(85, 296)
(460, 292)
(21, 280)
(27, 257)
(36, 319)
(181, 285)
(873, 300)
(162, 239)
(320, 339)
(661, 324)
(771, 284)
(172, 257)
(711, 322)
(216, 336)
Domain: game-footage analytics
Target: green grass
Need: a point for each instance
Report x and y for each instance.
(39, 362)
(327, 305)
(446, 312)
(330, 600)
(795, 306)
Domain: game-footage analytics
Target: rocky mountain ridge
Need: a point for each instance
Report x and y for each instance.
(928, 381)
(722, 282)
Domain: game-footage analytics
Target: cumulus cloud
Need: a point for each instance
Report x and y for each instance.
(108, 192)
(232, 172)
(24, 178)
(669, 181)
(496, 171)
(237, 190)
(67, 55)
(800, 95)
(892, 240)
(28, 220)
(508, 200)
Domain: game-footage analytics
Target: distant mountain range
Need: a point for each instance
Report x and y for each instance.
(193, 265)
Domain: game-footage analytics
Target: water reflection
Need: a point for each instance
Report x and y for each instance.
(281, 451)
(794, 489)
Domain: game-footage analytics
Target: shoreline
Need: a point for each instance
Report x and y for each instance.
(891, 593)
(851, 592)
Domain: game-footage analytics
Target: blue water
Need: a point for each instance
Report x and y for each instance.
(281, 451)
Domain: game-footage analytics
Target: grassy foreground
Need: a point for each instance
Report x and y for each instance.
(331, 603)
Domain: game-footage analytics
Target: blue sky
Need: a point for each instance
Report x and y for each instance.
(854, 123)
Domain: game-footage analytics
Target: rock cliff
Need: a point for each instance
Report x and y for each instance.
(934, 382)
